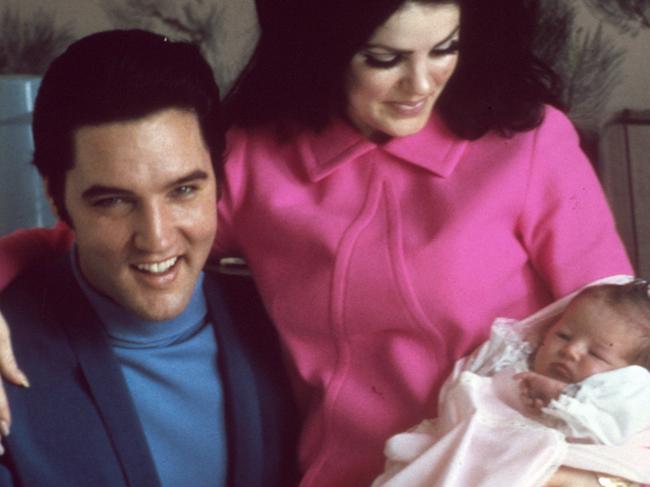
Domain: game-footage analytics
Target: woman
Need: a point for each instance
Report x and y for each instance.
(395, 182)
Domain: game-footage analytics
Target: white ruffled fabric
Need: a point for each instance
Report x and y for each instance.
(483, 438)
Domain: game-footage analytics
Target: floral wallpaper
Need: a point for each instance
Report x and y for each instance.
(598, 46)
(589, 58)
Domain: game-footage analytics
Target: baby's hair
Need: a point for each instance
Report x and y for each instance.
(633, 303)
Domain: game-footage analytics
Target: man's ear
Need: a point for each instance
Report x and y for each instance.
(50, 201)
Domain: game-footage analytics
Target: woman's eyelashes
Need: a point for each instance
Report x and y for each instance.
(389, 60)
(382, 61)
(450, 47)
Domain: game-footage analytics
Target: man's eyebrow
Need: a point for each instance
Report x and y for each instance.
(404, 51)
(197, 175)
(98, 190)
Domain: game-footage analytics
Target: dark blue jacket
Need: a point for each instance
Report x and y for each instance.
(76, 426)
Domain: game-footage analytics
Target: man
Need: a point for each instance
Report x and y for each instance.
(144, 370)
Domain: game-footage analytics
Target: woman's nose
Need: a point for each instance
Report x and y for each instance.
(419, 79)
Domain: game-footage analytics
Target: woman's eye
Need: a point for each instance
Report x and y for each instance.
(450, 47)
(382, 61)
(562, 336)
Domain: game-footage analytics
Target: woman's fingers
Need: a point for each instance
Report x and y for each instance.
(10, 371)
(8, 366)
(5, 415)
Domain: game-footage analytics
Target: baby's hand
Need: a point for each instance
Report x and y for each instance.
(538, 390)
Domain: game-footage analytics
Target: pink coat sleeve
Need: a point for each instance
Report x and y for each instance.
(230, 192)
(567, 225)
(21, 249)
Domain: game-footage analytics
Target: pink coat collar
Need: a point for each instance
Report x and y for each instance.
(434, 148)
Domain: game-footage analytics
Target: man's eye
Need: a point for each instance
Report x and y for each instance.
(382, 61)
(109, 202)
(562, 335)
(185, 190)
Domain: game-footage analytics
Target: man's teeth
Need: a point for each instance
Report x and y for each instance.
(157, 267)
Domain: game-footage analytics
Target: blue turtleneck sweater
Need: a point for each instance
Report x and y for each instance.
(170, 368)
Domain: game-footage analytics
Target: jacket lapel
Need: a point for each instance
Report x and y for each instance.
(243, 414)
(105, 382)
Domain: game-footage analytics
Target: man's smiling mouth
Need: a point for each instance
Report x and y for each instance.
(157, 267)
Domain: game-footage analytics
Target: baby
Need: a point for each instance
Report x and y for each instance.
(520, 407)
(604, 328)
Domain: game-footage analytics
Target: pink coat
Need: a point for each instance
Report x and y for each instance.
(382, 265)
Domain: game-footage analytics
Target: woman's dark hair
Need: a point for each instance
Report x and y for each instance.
(115, 76)
(296, 74)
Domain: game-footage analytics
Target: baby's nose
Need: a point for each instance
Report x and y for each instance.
(573, 350)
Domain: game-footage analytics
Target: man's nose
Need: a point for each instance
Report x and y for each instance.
(154, 228)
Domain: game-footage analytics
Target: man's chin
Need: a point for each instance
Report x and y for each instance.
(161, 309)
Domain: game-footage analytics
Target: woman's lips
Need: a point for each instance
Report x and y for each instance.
(408, 109)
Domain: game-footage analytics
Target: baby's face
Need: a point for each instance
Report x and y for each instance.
(590, 337)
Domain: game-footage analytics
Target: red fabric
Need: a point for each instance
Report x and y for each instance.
(24, 248)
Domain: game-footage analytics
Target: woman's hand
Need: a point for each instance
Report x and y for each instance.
(571, 477)
(9, 371)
